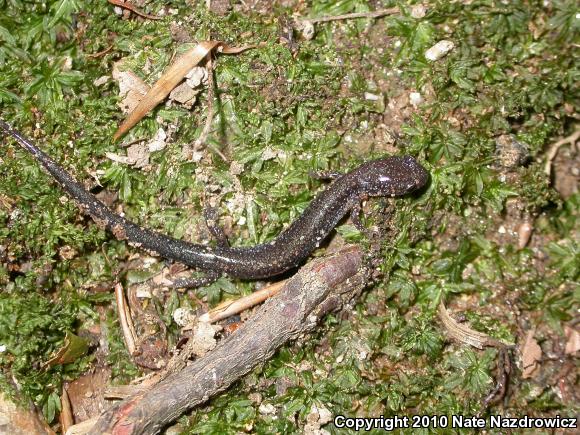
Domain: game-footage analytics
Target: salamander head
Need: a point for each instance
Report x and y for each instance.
(392, 176)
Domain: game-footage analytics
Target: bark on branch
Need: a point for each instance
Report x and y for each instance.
(323, 285)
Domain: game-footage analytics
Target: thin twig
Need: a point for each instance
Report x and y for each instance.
(130, 6)
(229, 308)
(374, 14)
(504, 369)
(210, 109)
(553, 150)
(100, 53)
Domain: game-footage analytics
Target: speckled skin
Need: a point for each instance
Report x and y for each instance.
(393, 176)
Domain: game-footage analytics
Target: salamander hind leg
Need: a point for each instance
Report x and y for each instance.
(196, 281)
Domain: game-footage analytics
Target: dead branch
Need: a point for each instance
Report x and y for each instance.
(323, 285)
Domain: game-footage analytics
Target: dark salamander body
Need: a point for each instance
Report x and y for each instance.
(393, 176)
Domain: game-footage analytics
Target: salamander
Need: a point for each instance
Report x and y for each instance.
(392, 176)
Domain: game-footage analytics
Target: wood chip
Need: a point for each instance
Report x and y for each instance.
(572, 340)
(531, 354)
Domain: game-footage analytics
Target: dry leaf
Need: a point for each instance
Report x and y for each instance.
(171, 78)
(132, 88)
(72, 348)
(531, 355)
(185, 95)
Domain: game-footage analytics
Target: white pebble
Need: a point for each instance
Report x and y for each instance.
(183, 316)
(415, 98)
(418, 11)
(439, 50)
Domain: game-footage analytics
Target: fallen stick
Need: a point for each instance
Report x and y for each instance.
(323, 285)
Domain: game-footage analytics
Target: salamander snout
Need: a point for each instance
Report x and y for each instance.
(393, 176)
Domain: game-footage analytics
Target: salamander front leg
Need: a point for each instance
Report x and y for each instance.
(196, 281)
(355, 213)
(325, 175)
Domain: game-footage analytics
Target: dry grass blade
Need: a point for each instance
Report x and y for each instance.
(463, 333)
(171, 78)
(125, 319)
(165, 84)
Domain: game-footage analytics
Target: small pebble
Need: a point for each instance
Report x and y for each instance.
(307, 30)
(439, 50)
(418, 11)
(415, 98)
(510, 152)
(183, 316)
(524, 233)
